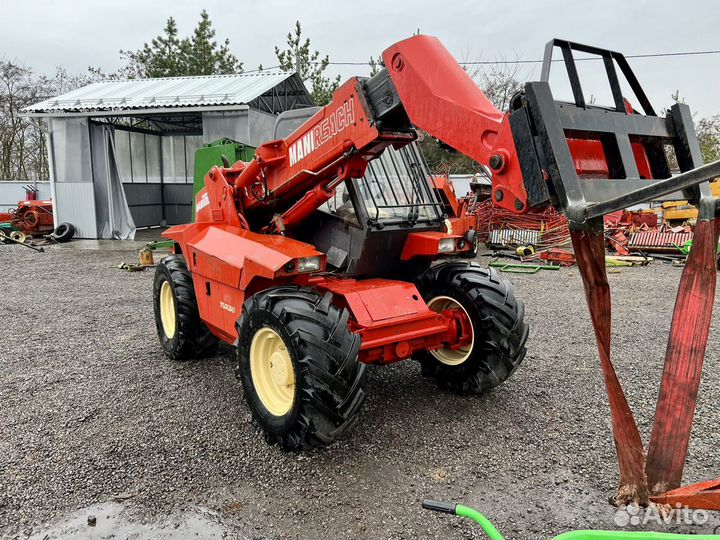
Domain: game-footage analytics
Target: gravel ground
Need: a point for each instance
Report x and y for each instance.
(92, 412)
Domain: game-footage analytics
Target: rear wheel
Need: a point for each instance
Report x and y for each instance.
(297, 361)
(182, 333)
(474, 241)
(497, 345)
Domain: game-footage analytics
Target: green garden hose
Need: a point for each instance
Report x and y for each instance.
(464, 511)
(493, 534)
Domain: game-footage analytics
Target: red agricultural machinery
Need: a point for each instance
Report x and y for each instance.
(461, 219)
(32, 218)
(330, 251)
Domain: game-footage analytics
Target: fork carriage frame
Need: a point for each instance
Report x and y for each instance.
(633, 145)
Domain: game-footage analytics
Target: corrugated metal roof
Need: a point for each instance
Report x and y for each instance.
(170, 92)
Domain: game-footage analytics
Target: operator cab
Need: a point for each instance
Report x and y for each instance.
(363, 228)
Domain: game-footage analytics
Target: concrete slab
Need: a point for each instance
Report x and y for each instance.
(142, 237)
(101, 245)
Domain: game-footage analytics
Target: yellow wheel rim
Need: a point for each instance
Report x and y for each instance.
(18, 236)
(167, 310)
(272, 371)
(451, 357)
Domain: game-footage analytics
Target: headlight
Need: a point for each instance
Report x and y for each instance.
(446, 245)
(309, 264)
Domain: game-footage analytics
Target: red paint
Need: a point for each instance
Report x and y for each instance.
(590, 160)
(704, 495)
(458, 209)
(440, 97)
(426, 244)
(392, 318)
(445, 191)
(31, 216)
(562, 257)
(289, 179)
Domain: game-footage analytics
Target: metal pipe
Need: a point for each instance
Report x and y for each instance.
(656, 189)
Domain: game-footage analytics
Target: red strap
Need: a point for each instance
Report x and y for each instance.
(590, 252)
(683, 361)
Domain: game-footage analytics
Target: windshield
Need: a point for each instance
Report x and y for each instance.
(396, 188)
(340, 205)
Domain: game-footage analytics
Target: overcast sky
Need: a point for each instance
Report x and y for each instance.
(80, 33)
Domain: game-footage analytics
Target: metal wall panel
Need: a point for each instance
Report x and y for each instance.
(71, 150)
(652, 240)
(249, 127)
(75, 203)
(178, 203)
(178, 215)
(12, 192)
(234, 125)
(145, 203)
(72, 173)
(261, 129)
(513, 237)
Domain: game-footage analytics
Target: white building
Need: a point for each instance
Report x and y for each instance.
(121, 152)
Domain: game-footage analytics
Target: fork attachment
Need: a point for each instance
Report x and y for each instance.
(589, 160)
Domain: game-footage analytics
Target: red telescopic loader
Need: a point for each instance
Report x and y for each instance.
(330, 250)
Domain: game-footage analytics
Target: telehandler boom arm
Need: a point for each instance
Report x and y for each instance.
(540, 152)
(422, 87)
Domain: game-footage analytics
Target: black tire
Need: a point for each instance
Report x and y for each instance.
(328, 378)
(474, 241)
(5, 236)
(64, 232)
(496, 315)
(191, 338)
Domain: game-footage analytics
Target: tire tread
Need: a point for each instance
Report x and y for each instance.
(502, 334)
(327, 360)
(194, 338)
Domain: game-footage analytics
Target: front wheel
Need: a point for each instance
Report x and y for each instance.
(182, 333)
(297, 361)
(497, 344)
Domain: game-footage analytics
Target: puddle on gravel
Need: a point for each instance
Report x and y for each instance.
(111, 523)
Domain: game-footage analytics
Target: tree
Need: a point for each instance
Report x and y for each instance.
(376, 64)
(23, 154)
(169, 55)
(309, 65)
(17, 90)
(205, 57)
(442, 158)
(500, 82)
(708, 134)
